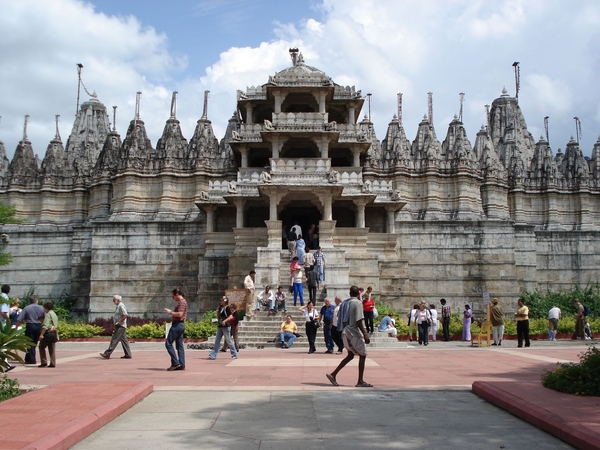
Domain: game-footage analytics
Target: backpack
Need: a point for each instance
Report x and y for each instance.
(586, 311)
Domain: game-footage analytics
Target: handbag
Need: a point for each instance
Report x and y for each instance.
(50, 336)
(316, 323)
(375, 313)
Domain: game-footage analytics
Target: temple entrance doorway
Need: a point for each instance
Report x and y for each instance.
(303, 212)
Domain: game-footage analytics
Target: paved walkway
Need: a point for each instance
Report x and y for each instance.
(396, 373)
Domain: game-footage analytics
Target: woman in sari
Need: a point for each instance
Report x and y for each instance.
(467, 319)
(300, 249)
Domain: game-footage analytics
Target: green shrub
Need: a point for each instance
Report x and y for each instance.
(77, 330)
(12, 341)
(200, 330)
(539, 303)
(577, 378)
(8, 388)
(147, 331)
(510, 327)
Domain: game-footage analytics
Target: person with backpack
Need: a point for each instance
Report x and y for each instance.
(579, 320)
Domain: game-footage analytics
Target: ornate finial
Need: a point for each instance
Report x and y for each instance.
(578, 128)
(174, 105)
(300, 59)
(25, 128)
(94, 95)
(205, 108)
(430, 107)
(461, 99)
(399, 108)
(114, 118)
(294, 55)
(57, 136)
(138, 98)
(504, 92)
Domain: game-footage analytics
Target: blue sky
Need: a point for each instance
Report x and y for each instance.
(381, 46)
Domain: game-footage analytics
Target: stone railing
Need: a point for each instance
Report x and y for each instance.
(353, 133)
(252, 93)
(250, 133)
(298, 166)
(307, 122)
(348, 92)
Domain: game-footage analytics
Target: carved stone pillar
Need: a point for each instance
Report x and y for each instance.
(360, 212)
(249, 107)
(239, 212)
(323, 145)
(210, 217)
(273, 233)
(244, 154)
(351, 118)
(391, 219)
(355, 157)
(326, 228)
(322, 104)
(276, 145)
(278, 100)
(327, 209)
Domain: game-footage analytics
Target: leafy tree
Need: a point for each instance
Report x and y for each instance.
(7, 215)
(11, 342)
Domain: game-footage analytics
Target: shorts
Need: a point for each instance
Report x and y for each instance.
(354, 344)
(553, 324)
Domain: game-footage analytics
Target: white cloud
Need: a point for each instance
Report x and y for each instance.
(382, 47)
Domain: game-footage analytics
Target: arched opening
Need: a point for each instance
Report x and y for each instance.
(255, 214)
(376, 219)
(300, 102)
(302, 212)
(341, 157)
(300, 148)
(344, 212)
(259, 157)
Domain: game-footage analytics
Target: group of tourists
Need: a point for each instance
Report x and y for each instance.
(41, 327)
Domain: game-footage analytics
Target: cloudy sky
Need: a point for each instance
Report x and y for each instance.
(382, 47)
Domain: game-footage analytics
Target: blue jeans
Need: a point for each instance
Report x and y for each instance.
(320, 273)
(327, 335)
(298, 291)
(176, 335)
(223, 331)
(286, 334)
(423, 332)
(32, 331)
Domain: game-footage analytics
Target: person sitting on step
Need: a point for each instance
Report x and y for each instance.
(266, 298)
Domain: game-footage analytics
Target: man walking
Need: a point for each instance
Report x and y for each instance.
(33, 316)
(320, 264)
(4, 317)
(446, 311)
(120, 330)
(350, 321)
(554, 315)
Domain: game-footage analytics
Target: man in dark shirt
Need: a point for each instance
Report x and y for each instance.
(326, 315)
(33, 316)
(312, 278)
(178, 314)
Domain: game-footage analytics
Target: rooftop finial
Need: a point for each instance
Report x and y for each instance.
(517, 79)
(174, 105)
(138, 98)
(205, 108)
(25, 127)
(487, 116)
(578, 128)
(399, 109)
(546, 128)
(461, 99)
(430, 107)
(114, 118)
(294, 55)
(57, 136)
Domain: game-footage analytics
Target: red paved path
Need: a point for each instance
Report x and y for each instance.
(440, 366)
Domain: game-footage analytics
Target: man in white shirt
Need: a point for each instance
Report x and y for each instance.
(554, 315)
(249, 286)
(266, 298)
(296, 229)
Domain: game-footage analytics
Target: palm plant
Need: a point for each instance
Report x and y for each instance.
(11, 342)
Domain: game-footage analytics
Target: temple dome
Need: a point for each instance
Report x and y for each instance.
(301, 75)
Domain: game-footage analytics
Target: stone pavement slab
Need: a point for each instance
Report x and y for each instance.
(327, 420)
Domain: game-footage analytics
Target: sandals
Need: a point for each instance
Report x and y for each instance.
(364, 384)
(331, 379)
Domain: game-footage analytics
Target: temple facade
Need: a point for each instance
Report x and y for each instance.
(415, 220)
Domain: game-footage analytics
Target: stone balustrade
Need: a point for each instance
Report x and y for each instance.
(253, 93)
(347, 92)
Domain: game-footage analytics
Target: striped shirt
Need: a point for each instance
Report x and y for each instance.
(319, 258)
(181, 306)
(446, 311)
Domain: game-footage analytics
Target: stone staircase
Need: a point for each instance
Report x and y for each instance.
(262, 331)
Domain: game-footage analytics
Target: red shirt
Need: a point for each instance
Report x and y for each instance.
(368, 305)
(181, 306)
